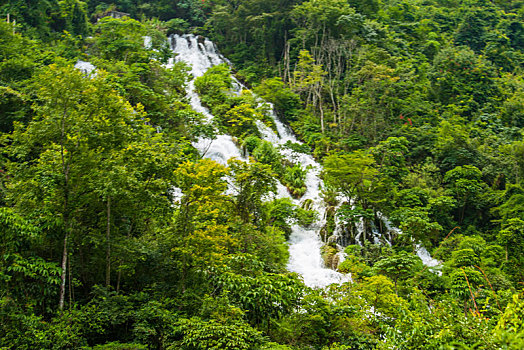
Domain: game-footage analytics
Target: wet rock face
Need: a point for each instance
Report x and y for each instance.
(201, 39)
(330, 256)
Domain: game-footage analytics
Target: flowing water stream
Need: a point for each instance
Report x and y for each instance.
(304, 243)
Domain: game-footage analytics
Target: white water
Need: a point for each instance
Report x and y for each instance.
(202, 56)
(428, 260)
(390, 232)
(304, 244)
(85, 67)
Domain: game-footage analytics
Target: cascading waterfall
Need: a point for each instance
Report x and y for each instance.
(201, 56)
(389, 231)
(304, 243)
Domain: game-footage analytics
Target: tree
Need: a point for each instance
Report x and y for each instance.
(356, 176)
(461, 78)
(353, 174)
(397, 266)
(511, 237)
(121, 40)
(214, 86)
(198, 237)
(390, 157)
(454, 146)
(464, 283)
(264, 296)
(251, 183)
(318, 18)
(19, 58)
(378, 291)
(78, 123)
(307, 80)
(416, 223)
(74, 13)
(27, 280)
(465, 183)
(34, 17)
(513, 316)
(285, 102)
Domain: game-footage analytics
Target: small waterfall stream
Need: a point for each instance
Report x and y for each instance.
(304, 243)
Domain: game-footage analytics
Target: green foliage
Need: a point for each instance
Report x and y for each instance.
(199, 233)
(285, 102)
(416, 223)
(378, 291)
(512, 318)
(282, 213)
(74, 14)
(120, 39)
(251, 182)
(215, 334)
(214, 86)
(308, 74)
(266, 153)
(294, 179)
(464, 79)
(23, 331)
(240, 120)
(397, 266)
(414, 107)
(352, 174)
(119, 346)
(315, 16)
(251, 143)
(264, 296)
(390, 158)
(464, 282)
(465, 185)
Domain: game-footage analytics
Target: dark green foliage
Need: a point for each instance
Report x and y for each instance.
(415, 109)
(285, 102)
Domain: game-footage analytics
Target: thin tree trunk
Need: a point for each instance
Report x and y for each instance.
(70, 283)
(321, 111)
(67, 224)
(64, 273)
(119, 275)
(108, 242)
(396, 291)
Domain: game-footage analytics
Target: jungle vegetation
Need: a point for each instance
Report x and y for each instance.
(415, 109)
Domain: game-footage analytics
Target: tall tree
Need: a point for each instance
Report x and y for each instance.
(78, 122)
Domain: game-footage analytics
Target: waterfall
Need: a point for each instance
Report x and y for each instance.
(304, 243)
(86, 67)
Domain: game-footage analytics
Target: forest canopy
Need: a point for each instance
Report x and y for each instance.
(117, 234)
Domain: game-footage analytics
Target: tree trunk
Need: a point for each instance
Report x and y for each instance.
(70, 284)
(64, 273)
(119, 275)
(108, 242)
(396, 291)
(317, 93)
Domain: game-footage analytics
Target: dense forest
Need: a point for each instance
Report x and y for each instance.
(115, 232)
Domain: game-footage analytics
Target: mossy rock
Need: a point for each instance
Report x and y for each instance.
(330, 257)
